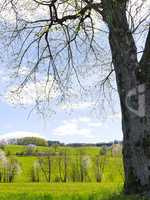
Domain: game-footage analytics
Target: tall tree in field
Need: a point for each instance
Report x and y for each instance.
(52, 32)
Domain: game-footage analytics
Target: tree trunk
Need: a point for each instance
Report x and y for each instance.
(133, 80)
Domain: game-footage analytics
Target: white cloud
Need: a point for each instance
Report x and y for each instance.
(90, 122)
(23, 71)
(95, 124)
(5, 78)
(116, 115)
(32, 92)
(77, 106)
(84, 119)
(19, 134)
(27, 10)
(78, 129)
(72, 128)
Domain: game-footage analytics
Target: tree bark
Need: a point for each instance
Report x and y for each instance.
(131, 75)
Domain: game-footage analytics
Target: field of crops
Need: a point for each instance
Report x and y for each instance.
(22, 188)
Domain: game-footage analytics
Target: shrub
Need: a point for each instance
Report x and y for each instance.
(9, 168)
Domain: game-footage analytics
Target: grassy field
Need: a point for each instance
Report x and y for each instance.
(23, 189)
(13, 149)
(112, 171)
(63, 191)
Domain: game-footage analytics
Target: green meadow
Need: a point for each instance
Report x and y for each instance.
(22, 188)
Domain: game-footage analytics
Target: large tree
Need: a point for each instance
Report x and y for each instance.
(57, 27)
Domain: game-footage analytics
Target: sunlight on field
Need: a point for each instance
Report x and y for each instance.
(22, 188)
(66, 191)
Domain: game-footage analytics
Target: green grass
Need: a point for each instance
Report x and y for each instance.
(112, 172)
(13, 149)
(68, 191)
(26, 196)
(26, 162)
(22, 189)
(58, 188)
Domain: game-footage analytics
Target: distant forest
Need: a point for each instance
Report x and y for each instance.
(37, 141)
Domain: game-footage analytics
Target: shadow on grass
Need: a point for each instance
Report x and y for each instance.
(122, 196)
(102, 196)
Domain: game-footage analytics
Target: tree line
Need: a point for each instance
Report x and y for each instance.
(37, 141)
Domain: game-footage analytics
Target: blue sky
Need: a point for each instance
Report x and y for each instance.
(81, 120)
(78, 126)
(78, 121)
(75, 121)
